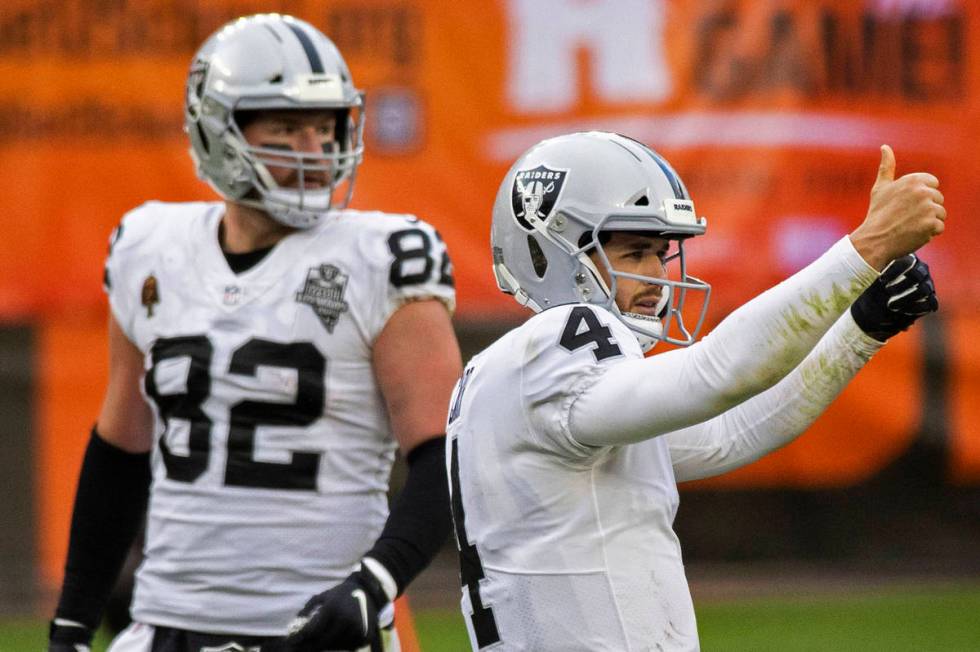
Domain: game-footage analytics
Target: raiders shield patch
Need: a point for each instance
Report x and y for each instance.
(535, 192)
(324, 292)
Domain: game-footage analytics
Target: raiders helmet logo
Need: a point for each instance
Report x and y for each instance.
(535, 193)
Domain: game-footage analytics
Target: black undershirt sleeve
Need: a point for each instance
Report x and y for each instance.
(420, 520)
(110, 504)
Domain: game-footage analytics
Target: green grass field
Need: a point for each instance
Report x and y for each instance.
(919, 620)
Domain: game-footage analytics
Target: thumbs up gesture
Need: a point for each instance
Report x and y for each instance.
(903, 215)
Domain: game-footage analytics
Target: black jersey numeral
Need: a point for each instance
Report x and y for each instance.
(299, 473)
(187, 406)
(446, 266)
(573, 337)
(241, 468)
(470, 567)
(456, 403)
(413, 264)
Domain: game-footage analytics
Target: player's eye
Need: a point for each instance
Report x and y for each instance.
(277, 130)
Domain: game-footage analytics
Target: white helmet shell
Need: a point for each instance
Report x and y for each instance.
(272, 62)
(553, 203)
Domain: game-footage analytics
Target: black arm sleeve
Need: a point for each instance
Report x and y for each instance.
(420, 520)
(110, 504)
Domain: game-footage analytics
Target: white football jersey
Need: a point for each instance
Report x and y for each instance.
(273, 447)
(564, 546)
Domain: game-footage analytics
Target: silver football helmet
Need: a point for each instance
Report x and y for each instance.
(560, 195)
(272, 62)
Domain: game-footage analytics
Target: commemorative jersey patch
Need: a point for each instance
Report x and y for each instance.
(150, 295)
(324, 292)
(535, 192)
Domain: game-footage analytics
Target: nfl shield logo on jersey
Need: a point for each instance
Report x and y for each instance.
(324, 292)
(535, 192)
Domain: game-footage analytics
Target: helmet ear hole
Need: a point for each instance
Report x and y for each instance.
(642, 201)
(538, 260)
(244, 118)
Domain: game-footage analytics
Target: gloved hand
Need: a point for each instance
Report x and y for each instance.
(342, 618)
(68, 636)
(903, 293)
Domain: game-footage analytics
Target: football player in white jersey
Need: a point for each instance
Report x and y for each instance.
(566, 443)
(269, 353)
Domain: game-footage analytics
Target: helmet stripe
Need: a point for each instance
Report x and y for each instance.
(316, 64)
(675, 183)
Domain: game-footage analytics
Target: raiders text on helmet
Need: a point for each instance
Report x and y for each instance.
(556, 199)
(272, 62)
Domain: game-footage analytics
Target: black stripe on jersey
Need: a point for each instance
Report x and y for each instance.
(470, 566)
(316, 65)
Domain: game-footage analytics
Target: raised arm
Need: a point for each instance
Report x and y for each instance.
(772, 419)
(758, 344)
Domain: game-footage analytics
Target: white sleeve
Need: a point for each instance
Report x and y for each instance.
(552, 371)
(127, 247)
(412, 264)
(748, 352)
(777, 416)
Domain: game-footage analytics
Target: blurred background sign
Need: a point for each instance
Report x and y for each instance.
(771, 111)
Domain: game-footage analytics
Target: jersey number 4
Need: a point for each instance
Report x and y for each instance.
(241, 469)
(574, 336)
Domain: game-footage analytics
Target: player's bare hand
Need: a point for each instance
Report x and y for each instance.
(903, 215)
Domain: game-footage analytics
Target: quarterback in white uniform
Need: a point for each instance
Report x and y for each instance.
(565, 443)
(270, 353)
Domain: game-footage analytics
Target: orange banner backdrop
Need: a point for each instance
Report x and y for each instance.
(771, 110)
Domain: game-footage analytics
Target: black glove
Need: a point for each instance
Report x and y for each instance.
(68, 636)
(903, 293)
(342, 618)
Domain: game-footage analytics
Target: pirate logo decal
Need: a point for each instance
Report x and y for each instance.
(534, 194)
(324, 292)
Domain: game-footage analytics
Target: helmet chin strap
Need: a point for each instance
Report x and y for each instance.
(648, 330)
